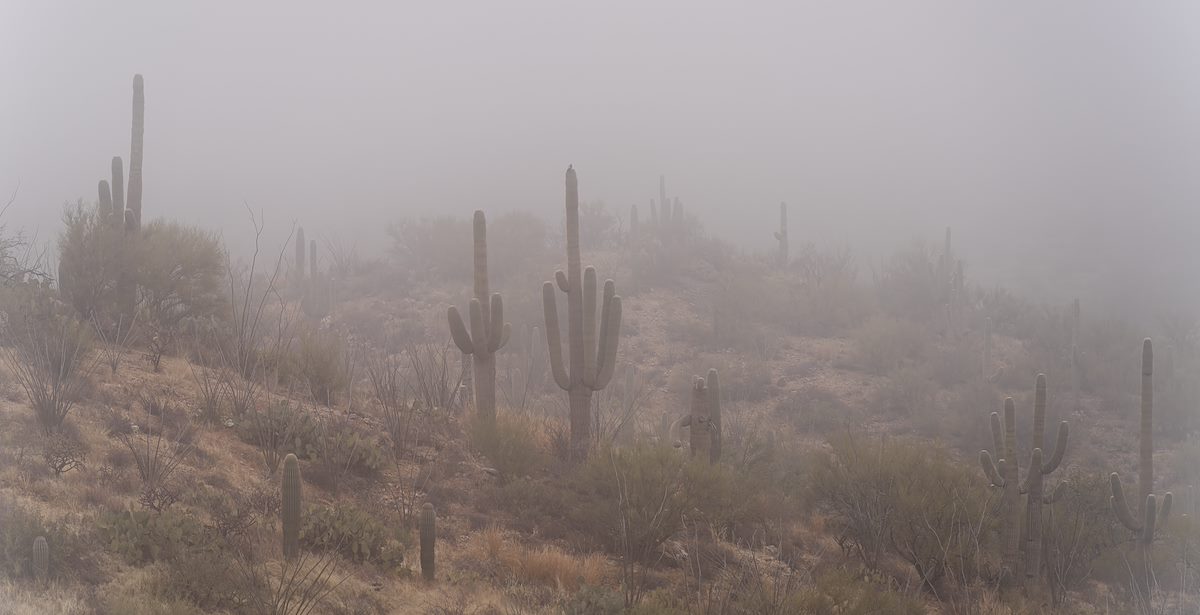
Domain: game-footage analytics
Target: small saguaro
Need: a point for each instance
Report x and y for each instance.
(428, 541)
(41, 558)
(703, 420)
(290, 507)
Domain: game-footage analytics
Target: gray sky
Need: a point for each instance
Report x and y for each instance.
(1051, 135)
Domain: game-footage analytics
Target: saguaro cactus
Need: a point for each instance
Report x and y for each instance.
(488, 332)
(118, 192)
(1147, 519)
(592, 358)
(1005, 474)
(312, 260)
(428, 541)
(782, 236)
(133, 219)
(106, 204)
(290, 507)
(714, 400)
(41, 558)
(300, 260)
(703, 421)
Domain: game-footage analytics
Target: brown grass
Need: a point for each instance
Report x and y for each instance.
(546, 565)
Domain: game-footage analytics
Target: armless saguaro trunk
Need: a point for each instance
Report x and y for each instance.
(133, 219)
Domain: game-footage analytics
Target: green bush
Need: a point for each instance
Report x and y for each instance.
(512, 444)
(907, 499)
(354, 533)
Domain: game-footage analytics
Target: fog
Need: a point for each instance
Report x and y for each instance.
(1059, 140)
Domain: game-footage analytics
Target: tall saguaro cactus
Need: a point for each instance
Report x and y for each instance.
(1147, 519)
(714, 400)
(290, 507)
(1023, 535)
(488, 332)
(133, 218)
(782, 236)
(592, 357)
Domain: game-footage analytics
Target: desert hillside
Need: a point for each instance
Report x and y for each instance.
(305, 431)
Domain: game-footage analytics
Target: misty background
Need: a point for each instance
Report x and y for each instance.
(1059, 140)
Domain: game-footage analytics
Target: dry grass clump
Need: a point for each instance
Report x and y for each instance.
(546, 565)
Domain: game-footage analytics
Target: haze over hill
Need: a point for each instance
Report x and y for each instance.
(1059, 140)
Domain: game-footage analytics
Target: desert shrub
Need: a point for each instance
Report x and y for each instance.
(591, 600)
(512, 444)
(357, 534)
(439, 247)
(907, 499)
(827, 298)
(93, 254)
(70, 553)
(206, 578)
(555, 508)
(908, 391)
(1079, 531)
(909, 286)
(276, 430)
(643, 493)
(49, 357)
(63, 452)
(340, 447)
(883, 344)
(321, 365)
(141, 536)
(179, 276)
(816, 408)
(843, 592)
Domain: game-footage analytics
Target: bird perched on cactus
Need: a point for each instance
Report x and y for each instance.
(489, 333)
(592, 356)
(1149, 516)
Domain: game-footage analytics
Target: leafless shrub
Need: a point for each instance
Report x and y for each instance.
(213, 385)
(274, 428)
(49, 357)
(157, 456)
(62, 453)
(300, 586)
(115, 339)
(391, 389)
(435, 375)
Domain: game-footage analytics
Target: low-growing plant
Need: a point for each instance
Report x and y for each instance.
(354, 533)
(512, 444)
(63, 452)
(49, 357)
